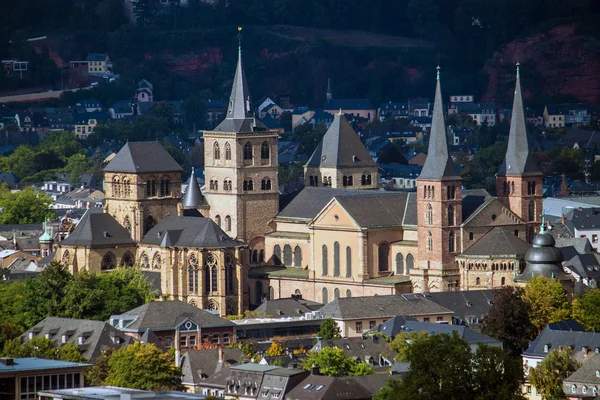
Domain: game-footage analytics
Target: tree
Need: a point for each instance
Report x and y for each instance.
(144, 11)
(194, 112)
(586, 309)
(275, 350)
(402, 342)
(70, 352)
(547, 301)
(508, 320)
(332, 361)
(21, 162)
(8, 331)
(24, 207)
(164, 111)
(549, 374)
(97, 375)
(497, 374)
(77, 164)
(329, 330)
(65, 144)
(143, 366)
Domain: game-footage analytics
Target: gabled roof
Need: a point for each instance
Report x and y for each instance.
(311, 200)
(97, 57)
(98, 229)
(439, 164)
(587, 374)
(519, 158)
(340, 147)
(141, 157)
(287, 307)
(123, 107)
(466, 305)
(584, 265)
(166, 315)
(565, 333)
(98, 334)
(381, 307)
(375, 210)
(201, 233)
(198, 365)
(144, 84)
(363, 348)
(320, 387)
(498, 243)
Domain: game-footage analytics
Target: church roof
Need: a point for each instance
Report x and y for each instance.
(141, 157)
(519, 159)
(439, 164)
(189, 232)
(341, 147)
(375, 210)
(193, 197)
(498, 243)
(98, 229)
(240, 115)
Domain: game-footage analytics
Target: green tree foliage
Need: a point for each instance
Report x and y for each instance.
(586, 309)
(96, 376)
(567, 161)
(8, 331)
(77, 164)
(194, 113)
(145, 10)
(332, 361)
(24, 207)
(309, 136)
(42, 348)
(291, 174)
(480, 171)
(164, 111)
(65, 144)
(403, 341)
(443, 366)
(55, 292)
(508, 320)
(547, 301)
(329, 330)
(549, 374)
(143, 366)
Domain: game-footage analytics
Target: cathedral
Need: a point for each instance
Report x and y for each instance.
(231, 247)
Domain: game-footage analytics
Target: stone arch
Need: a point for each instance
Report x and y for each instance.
(383, 258)
(429, 214)
(348, 293)
(248, 151)
(227, 151)
(193, 302)
(297, 256)
(66, 258)
(144, 260)
(149, 223)
(264, 151)
(212, 305)
(127, 223)
(336, 293)
(399, 264)
(127, 260)
(156, 261)
(410, 262)
(216, 151)
(109, 261)
(324, 296)
(287, 255)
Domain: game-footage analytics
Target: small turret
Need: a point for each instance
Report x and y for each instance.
(46, 242)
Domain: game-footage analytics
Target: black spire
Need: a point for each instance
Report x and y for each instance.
(518, 160)
(439, 164)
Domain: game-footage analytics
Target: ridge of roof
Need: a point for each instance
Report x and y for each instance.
(143, 157)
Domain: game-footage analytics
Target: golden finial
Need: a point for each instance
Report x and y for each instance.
(239, 41)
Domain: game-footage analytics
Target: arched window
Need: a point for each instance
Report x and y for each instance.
(297, 256)
(254, 256)
(108, 261)
(259, 292)
(363, 180)
(384, 256)
(126, 188)
(277, 254)
(227, 151)
(350, 181)
(116, 187)
(348, 262)
(399, 264)
(149, 224)
(451, 242)
(162, 188)
(287, 255)
(207, 279)
(248, 151)
(516, 232)
(503, 281)
(264, 151)
(271, 293)
(156, 261)
(265, 184)
(533, 187)
(325, 299)
(429, 241)
(127, 260)
(336, 293)
(348, 293)
(213, 277)
(429, 214)
(336, 259)
(228, 223)
(167, 187)
(410, 262)
(248, 185)
(451, 215)
(127, 224)
(478, 281)
(345, 181)
(144, 261)
(470, 235)
(531, 211)
(368, 179)
(324, 260)
(261, 256)
(216, 151)
(218, 220)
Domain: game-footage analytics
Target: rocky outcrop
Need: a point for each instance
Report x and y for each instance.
(191, 63)
(563, 62)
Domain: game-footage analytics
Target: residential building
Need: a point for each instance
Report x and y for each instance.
(401, 177)
(176, 324)
(92, 338)
(86, 122)
(585, 382)
(302, 115)
(392, 109)
(286, 327)
(554, 116)
(88, 105)
(121, 109)
(144, 92)
(198, 365)
(469, 307)
(115, 393)
(272, 110)
(566, 115)
(357, 315)
(419, 107)
(354, 107)
(320, 387)
(585, 270)
(23, 378)
(293, 307)
(482, 113)
(370, 349)
(585, 223)
(98, 63)
(416, 157)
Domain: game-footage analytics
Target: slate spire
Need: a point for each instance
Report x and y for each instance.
(439, 164)
(193, 197)
(518, 160)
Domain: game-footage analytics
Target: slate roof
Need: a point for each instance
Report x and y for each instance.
(166, 315)
(498, 243)
(287, 307)
(193, 197)
(98, 335)
(84, 117)
(587, 218)
(189, 232)
(583, 138)
(565, 333)
(519, 158)
(473, 202)
(584, 265)
(393, 326)
(381, 307)
(240, 115)
(410, 215)
(97, 56)
(471, 336)
(362, 349)
(98, 229)
(310, 201)
(401, 171)
(379, 209)
(329, 388)
(469, 307)
(587, 374)
(198, 365)
(340, 147)
(439, 164)
(123, 107)
(142, 157)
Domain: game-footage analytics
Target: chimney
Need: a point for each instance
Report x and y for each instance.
(314, 370)
(221, 352)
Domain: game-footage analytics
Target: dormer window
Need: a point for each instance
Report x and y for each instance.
(81, 340)
(65, 339)
(574, 389)
(598, 374)
(48, 336)
(546, 348)
(584, 389)
(31, 335)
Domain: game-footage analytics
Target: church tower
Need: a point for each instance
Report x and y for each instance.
(439, 211)
(240, 169)
(519, 180)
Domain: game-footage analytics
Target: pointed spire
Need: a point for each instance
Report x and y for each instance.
(329, 93)
(518, 160)
(439, 164)
(193, 196)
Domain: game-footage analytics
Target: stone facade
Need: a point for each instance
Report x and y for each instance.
(523, 196)
(139, 201)
(343, 177)
(95, 259)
